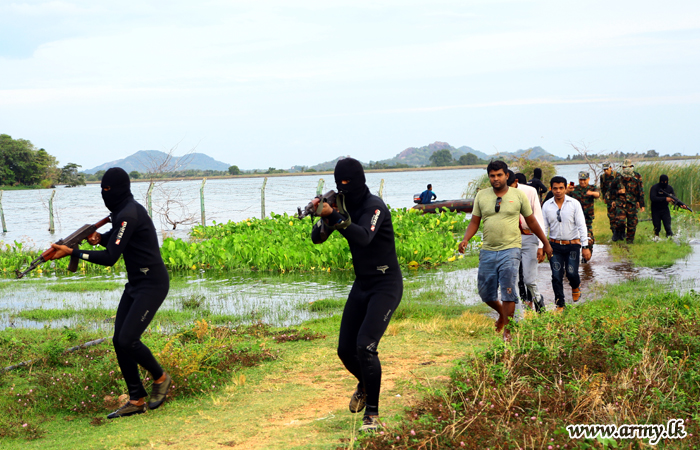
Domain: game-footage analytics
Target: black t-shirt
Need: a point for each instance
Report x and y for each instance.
(658, 200)
(539, 185)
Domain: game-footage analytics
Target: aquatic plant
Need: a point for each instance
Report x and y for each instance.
(283, 243)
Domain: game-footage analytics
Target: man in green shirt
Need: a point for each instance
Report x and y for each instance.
(500, 208)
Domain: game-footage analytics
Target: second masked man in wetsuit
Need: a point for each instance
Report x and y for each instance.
(364, 220)
(134, 236)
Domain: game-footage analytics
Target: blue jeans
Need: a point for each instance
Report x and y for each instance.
(499, 267)
(565, 259)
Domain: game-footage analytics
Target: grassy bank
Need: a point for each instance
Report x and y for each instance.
(624, 358)
(631, 357)
(248, 386)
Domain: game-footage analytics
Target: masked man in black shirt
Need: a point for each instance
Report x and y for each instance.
(659, 205)
(364, 220)
(134, 236)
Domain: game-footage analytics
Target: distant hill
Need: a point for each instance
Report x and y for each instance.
(421, 156)
(145, 160)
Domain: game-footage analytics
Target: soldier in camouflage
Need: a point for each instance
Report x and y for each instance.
(626, 193)
(586, 194)
(605, 182)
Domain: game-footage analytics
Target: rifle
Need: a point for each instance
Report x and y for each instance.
(676, 201)
(72, 241)
(315, 206)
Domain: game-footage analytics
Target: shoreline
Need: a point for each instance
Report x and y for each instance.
(330, 172)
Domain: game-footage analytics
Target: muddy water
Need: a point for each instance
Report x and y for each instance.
(601, 269)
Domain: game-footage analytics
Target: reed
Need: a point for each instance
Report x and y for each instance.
(683, 176)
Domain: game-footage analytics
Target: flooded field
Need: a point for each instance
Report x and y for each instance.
(284, 299)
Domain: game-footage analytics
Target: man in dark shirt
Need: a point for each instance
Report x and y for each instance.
(659, 205)
(427, 196)
(537, 183)
(365, 221)
(134, 236)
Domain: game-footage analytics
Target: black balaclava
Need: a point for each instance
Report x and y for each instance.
(663, 181)
(352, 170)
(119, 188)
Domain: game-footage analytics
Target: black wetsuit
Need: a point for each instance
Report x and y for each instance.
(659, 208)
(134, 236)
(375, 294)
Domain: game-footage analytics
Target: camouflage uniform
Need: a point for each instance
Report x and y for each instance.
(587, 201)
(605, 183)
(638, 176)
(625, 209)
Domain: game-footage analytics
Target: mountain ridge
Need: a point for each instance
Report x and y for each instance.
(144, 161)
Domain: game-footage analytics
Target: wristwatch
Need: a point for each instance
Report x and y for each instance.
(585, 246)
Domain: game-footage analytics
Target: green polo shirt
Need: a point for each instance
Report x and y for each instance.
(501, 230)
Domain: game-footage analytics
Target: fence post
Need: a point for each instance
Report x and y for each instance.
(201, 202)
(381, 189)
(51, 227)
(319, 189)
(149, 203)
(2, 215)
(262, 199)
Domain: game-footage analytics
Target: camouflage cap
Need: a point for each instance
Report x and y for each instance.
(627, 163)
(627, 172)
(606, 165)
(583, 175)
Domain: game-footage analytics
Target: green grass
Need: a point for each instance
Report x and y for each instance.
(325, 305)
(630, 357)
(88, 314)
(646, 252)
(85, 286)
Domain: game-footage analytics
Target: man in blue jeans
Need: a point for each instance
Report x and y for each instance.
(500, 207)
(566, 227)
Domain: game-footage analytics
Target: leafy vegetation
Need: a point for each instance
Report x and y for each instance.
(22, 164)
(79, 383)
(683, 177)
(282, 243)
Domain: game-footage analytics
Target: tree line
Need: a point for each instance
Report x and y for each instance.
(443, 158)
(22, 164)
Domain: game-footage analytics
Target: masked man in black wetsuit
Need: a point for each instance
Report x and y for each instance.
(364, 220)
(134, 236)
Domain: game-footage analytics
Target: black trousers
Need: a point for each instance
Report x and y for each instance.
(137, 308)
(367, 312)
(658, 217)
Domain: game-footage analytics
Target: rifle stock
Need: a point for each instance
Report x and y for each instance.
(73, 241)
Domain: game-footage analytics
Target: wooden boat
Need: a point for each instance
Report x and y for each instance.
(461, 205)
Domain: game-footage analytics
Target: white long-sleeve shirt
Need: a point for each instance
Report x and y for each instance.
(573, 222)
(534, 199)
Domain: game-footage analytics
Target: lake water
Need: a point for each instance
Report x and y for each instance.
(27, 212)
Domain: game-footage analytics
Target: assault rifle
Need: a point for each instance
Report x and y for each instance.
(676, 201)
(315, 206)
(72, 241)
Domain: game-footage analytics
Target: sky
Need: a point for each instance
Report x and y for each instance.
(266, 84)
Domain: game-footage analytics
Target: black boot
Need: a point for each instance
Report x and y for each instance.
(615, 236)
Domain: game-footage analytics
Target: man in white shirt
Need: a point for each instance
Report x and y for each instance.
(566, 227)
(532, 249)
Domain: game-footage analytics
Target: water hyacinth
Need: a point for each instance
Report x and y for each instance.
(282, 243)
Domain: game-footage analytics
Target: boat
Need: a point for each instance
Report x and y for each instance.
(465, 205)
